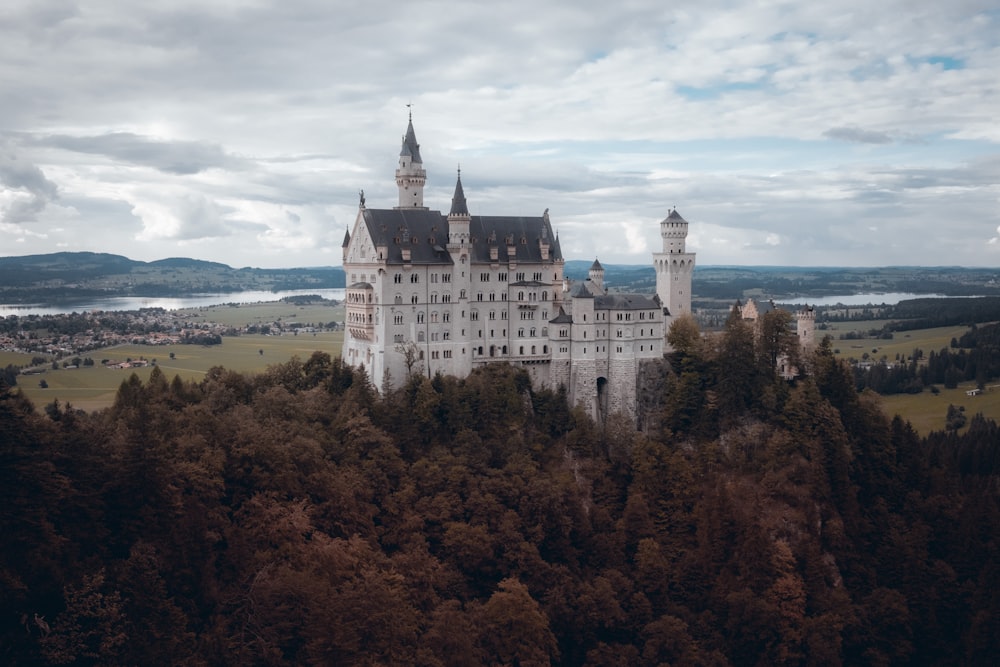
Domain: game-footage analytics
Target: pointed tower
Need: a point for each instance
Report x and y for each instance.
(458, 218)
(410, 176)
(674, 267)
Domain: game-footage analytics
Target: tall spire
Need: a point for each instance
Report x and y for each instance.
(410, 147)
(458, 203)
(410, 175)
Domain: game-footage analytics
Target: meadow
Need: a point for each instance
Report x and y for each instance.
(94, 387)
(903, 342)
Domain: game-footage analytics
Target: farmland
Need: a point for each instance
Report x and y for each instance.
(91, 388)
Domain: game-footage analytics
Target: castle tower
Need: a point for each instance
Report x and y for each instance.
(805, 327)
(458, 219)
(410, 175)
(596, 275)
(674, 266)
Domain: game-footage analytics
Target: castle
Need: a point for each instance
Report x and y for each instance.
(435, 293)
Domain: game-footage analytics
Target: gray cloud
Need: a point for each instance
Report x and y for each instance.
(858, 135)
(175, 157)
(30, 191)
(253, 125)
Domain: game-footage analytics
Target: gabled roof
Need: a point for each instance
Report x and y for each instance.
(675, 216)
(562, 318)
(425, 233)
(580, 291)
(347, 239)
(521, 232)
(596, 266)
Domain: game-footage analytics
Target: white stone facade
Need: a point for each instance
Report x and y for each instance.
(433, 293)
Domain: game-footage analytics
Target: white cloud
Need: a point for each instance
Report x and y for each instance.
(838, 133)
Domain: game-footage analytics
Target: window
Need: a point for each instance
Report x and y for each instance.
(446, 316)
(446, 277)
(538, 276)
(398, 278)
(398, 338)
(493, 314)
(484, 277)
(399, 298)
(420, 318)
(502, 277)
(420, 336)
(474, 316)
(446, 297)
(397, 318)
(413, 298)
(479, 296)
(414, 278)
(434, 277)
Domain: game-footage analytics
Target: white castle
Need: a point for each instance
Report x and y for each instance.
(434, 293)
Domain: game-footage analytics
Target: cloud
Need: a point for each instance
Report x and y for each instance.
(24, 189)
(797, 133)
(175, 157)
(858, 135)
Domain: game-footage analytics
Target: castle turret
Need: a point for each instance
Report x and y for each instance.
(596, 275)
(674, 266)
(805, 327)
(410, 176)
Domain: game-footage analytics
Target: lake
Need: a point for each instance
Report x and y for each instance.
(875, 299)
(167, 303)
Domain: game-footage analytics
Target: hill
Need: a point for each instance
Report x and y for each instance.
(67, 276)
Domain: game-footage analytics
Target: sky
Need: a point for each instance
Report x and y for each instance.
(842, 133)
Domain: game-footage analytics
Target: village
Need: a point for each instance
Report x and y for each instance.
(65, 340)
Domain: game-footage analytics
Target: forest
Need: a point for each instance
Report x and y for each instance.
(299, 517)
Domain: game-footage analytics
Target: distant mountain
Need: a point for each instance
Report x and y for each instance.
(67, 276)
(188, 263)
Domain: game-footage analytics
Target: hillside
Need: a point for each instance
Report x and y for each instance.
(68, 276)
(295, 517)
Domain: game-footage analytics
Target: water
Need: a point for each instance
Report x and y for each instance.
(874, 298)
(167, 303)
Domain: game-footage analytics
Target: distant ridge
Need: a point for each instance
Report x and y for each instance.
(68, 276)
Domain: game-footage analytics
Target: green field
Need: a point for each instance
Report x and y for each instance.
(927, 411)
(902, 343)
(259, 313)
(92, 388)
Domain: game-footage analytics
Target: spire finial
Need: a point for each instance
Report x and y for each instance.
(409, 106)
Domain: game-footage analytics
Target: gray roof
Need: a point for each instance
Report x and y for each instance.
(675, 216)
(562, 318)
(580, 291)
(347, 239)
(458, 203)
(620, 301)
(596, 266)
(410, 145)
(426, 234)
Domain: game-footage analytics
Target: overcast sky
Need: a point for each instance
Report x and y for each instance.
(849, 132)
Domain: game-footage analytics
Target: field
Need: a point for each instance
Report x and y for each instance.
(92, 388)
(259, 313)
(902, 343)
(926, 411)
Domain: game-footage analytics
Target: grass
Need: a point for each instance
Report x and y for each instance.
(93, 388)
(260, 313)
(927, 411)
(903, 342)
